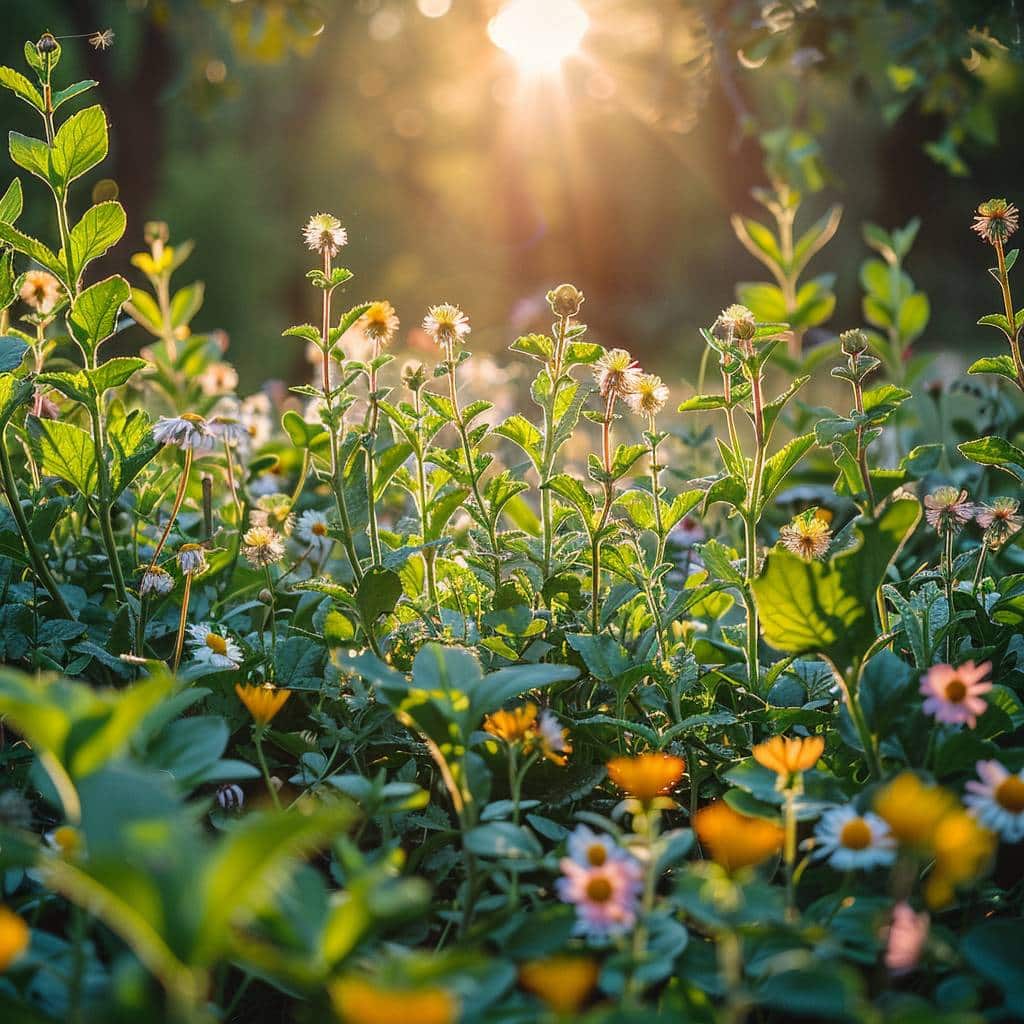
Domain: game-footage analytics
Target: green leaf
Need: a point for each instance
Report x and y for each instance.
(11, 203)
(14, 392)
(114, 372)
(186, 303)
(992, 948)
(604, 656)
(758, 241)
(246, 868)
(520, 431)
(33, 249)
(1002, 365)
(913, 316)
(718, 560)
(781, 464)
(101, 227)
(65, 451)
(774, 408)
(131, 441)
(12, 352)
(301, 433)
(502, 839)
(31, 154)
(22, 88)
(79, 145)
(377, 594)
(93, 317)
(537, 346)
(765, 301)
(69, 92)
(573, 491)
(827, 607)
(815, 238)
(996, 451)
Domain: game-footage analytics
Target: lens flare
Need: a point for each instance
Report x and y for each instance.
(539, 34)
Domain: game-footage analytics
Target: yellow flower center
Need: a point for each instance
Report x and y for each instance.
(1009, 794)
(596, 855)
(217, 644)
(856, 834)
(955, 691)
(319, 529)
(599, 890)
(192, 417)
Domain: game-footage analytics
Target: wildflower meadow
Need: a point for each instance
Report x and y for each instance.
(457, 686)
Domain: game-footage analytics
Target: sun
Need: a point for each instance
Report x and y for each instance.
(539, 34)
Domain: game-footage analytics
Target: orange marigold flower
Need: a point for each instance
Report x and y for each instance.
(263, 702)
(362, 1002)
(513, 726)
(787, 755)
(735, 840)
(646, 776)
(14, 937)
(563, 982)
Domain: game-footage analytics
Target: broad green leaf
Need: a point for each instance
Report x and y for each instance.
(781, 464)
(93, 316)
(79, 145)
(31, 154)
(573, 491)
(773, 409)
(537, 346)
(21, 87)
(186, 303)
(377, 594)
(65, 451)
(765, 301)
(502, 839)
(996, 451)
(131, 440)
(520, 431)
(14, 392)
(827, 607)
(101, 227)
(718, 561)
(758, 241)
(1002, 365)
(816, 237)
(114, 372)
(913, 316)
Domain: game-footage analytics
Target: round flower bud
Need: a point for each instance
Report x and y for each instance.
(735, 323)
(853, 342)
(265, 596)
(47, 43)
(565, 300)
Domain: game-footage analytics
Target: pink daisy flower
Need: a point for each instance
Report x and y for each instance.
(907, 936)
(998, 800)
(606, 896)
(953, 695)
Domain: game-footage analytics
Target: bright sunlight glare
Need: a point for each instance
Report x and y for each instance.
(539, 34)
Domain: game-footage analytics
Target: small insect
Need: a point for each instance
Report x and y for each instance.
(230, 797)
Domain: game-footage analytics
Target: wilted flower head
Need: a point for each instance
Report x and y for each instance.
(565, 300)
(262, 546)
(1000, 520)
(948, 510)
(156, 581)
(649, 395)
(954, 694)
(380, 322)
(995, 221)
(446, 324)
(189, 430)
(735, 323)
(263, 702)
(228, 429)
(807, 536)
(40, 290)
(323, 233)
(616, 373)
(192, 559)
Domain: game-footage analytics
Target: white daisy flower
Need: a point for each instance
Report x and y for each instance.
(324, 233)
(210, 648)
(228, 429)
(313, 529)
(852, 841)
(188, 430)
(156, 581)
(192, 559)
(446, 324)
(998, 800)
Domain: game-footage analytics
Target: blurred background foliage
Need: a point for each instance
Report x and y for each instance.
(462, 179)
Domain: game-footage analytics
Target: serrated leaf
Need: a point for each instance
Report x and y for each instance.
(22, 88)
(79, 145)
(101, 227)
(11, 202)
(65, 451)
(93, 316)
(996, 451)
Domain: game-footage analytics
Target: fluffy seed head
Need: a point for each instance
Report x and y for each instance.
(446, 324)
(995, 221)
(649, 395)
(380, 322)
(323, 233)
(616, 373)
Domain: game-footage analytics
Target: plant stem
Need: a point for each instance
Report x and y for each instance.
(983, 554)
(42, 570)
(429, 554)
(371, 445)
(182, 619)
(609, 493)
(1011, 323)
(474, 477)
(175, 508)
(947, 572)
(789, 850)
(271, 788)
